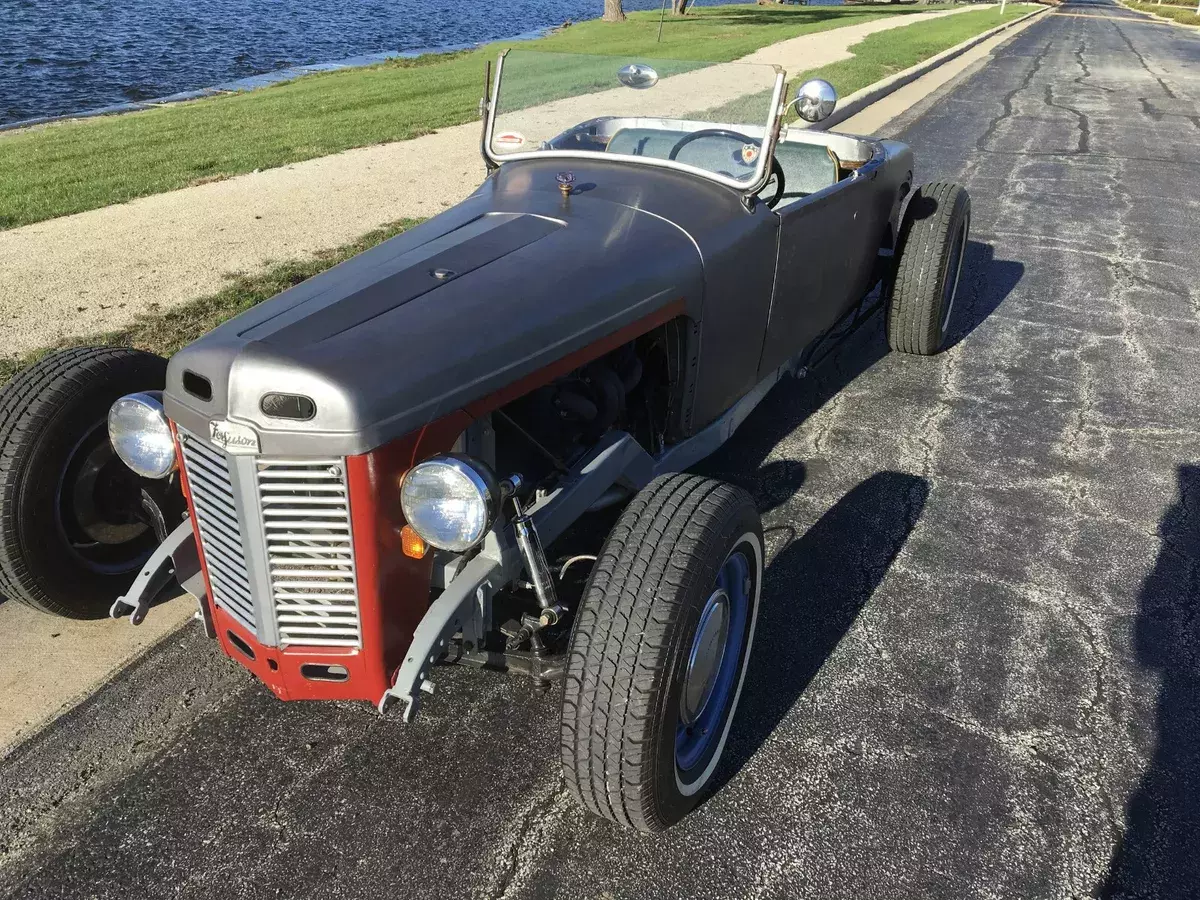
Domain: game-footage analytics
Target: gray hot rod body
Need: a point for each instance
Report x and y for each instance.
(522, 274)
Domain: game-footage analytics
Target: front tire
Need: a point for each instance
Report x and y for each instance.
(659, 651)
(928, 263)
(71, 536)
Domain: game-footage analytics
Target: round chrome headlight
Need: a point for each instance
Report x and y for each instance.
(141, 435)
(450, 501)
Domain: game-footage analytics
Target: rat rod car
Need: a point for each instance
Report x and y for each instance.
(378, 470)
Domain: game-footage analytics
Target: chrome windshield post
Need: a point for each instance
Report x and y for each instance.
(489, 116)
(565, 144)
(770, 136)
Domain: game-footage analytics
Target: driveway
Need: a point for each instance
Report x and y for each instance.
(977, 667)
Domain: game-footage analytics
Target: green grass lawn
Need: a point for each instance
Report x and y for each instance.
(881, 55)
(889, 52)
(1184, 14)
(64, 168)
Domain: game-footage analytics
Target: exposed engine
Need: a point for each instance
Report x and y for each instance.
(544, 432)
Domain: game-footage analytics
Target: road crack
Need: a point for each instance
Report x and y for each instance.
(527, 840)
(1142, 60)
(1085, 128)
(1007, 101)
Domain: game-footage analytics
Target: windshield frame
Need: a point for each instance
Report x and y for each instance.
(762, 174)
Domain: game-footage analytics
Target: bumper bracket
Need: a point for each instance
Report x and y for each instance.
(177, 558)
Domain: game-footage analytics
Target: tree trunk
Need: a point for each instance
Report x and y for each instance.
(613, 11)
(680, 7)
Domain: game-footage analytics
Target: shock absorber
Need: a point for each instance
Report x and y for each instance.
(530, 545)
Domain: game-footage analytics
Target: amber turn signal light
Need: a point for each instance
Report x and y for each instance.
(412, 544)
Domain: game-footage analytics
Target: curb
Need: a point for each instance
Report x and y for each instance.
(872, 93)
(1167, 20)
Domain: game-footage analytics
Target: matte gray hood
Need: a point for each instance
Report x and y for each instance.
(446, 313)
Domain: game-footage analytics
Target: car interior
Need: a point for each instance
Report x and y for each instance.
(811, 161)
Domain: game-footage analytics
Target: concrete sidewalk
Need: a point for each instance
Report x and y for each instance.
(98, 270)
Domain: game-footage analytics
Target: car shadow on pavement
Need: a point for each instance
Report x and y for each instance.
(985, 283)
(1159, 854)
(813, 591)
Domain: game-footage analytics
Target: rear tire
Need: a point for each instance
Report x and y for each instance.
(659, 651)
(70, 543)
(929, 254)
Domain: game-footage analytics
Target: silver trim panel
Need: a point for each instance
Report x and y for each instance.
(307, 533)
(219, 516)
(276, 538)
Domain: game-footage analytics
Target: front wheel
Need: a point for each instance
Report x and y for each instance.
(659, 651)
(928, 263)
(73, 531)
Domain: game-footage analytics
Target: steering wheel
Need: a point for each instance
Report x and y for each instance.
(776, 168)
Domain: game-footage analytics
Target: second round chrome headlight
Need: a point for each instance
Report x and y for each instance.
(450, 501)
(141, 435)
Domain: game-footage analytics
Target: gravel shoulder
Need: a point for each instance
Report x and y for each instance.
(98, 270)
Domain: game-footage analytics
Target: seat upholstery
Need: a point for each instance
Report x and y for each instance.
(716, 153)
(807, 168)
(654, 142)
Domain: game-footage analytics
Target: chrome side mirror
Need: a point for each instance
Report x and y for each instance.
(637, 75)
(815, 100)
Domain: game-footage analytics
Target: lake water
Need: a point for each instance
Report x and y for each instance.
(68, 56)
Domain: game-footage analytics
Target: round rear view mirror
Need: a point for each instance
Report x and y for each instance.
(815, 100)
(637, 75)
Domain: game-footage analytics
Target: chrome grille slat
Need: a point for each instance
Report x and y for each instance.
(203, 468)
(219, 507)
(234, 550)
(219, 518)
(298, 540)
(241, 609)
(305, 485)
(231, 578)
(215, 507)
(308, 595)
(300, 573)
(228, 555)
(306, 524)
(282, 474)
(224, 529)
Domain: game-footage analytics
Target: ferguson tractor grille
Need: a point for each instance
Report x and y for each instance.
(276, 540)
(220, 529)
(306, 523)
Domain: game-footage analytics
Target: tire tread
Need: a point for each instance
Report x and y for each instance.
(914, 314)
(621, 643)
(28, 404)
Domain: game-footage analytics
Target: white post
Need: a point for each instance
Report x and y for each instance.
(1002, 2)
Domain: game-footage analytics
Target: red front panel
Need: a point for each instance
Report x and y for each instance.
(393, 589)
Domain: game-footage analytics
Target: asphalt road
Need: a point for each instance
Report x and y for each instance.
(977, 667)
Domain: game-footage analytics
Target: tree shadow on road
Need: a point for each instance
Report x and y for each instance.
(813, 591)
(1159, 855)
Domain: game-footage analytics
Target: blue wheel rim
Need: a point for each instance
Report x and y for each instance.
(695, 739)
